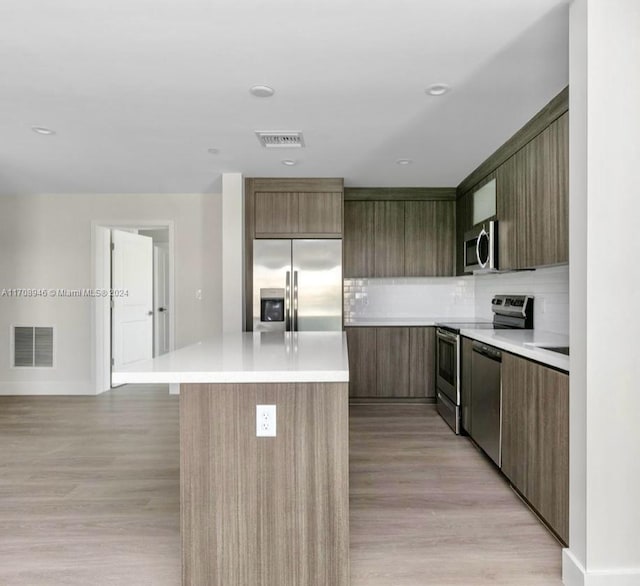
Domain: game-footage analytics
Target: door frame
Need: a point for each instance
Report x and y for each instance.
(101, 314)
(156, 248)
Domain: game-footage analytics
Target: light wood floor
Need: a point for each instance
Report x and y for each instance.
(89, 494)
(428, 509)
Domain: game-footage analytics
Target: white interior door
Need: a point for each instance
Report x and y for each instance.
(132, 313)
(161, 299)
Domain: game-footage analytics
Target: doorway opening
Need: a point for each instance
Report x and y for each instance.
(134, 263)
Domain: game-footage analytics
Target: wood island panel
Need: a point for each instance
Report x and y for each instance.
(264, 511)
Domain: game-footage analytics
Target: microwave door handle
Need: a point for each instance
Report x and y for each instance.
(480, 263)
(287, 302)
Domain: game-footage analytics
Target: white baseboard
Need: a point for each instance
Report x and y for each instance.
(574, 574)
(572, 571)
(23, 388)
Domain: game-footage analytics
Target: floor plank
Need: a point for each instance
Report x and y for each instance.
(89, 494)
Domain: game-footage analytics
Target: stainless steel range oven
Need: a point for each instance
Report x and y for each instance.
(509, 312)
(448, 376)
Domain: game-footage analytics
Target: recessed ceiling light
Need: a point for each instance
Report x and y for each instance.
(213, 151)
(42, 130)
(438, 89)
(289, 162)
(404, 162)
(262, 91)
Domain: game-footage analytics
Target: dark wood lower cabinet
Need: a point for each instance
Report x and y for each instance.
(535, 437)
(394, 362)
(465, 383)
(422, 371)
(361, 344)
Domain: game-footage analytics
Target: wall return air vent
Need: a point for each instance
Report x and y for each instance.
(280, 139)
(32, 346)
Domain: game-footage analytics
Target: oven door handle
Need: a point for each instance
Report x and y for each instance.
(446, 336)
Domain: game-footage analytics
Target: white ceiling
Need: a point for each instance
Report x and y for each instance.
(138, 90)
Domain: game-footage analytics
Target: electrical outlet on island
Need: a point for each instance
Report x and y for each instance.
(265, 421)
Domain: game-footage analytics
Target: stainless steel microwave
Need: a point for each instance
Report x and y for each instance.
(481, 248)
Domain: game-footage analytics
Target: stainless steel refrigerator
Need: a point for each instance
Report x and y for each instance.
(297, 285)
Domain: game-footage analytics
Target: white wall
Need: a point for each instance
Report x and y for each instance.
(232, 252)
(45, 242)
(605, 367)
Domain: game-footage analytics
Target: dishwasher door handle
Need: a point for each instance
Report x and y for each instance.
(488, 351)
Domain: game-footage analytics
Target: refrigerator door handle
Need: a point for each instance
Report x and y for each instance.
(295, 301)
(287, 302)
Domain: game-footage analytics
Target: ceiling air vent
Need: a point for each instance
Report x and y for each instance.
(32, 346)
(280, 139)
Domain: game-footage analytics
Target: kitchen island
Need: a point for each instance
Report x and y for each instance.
(267, 511)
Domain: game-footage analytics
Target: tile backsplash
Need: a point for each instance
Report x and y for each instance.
(461, 297)
(549, 286)
(409, 297)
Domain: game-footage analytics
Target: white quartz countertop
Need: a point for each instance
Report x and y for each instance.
(526, 343)
(248, 357)
(405, 321)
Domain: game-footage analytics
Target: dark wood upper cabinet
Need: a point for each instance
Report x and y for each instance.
(537, 196)
(507, 204)
(401, 237)
(535, 437)
(554, 247)
(392, 362)
(429, 238)
(388, 238)
(532, 192)
(357, 243)
(276, 213)
(532, 202)
(464, 222)
(320, 213)
(294, 208)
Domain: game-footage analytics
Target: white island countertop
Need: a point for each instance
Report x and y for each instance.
(248, 357)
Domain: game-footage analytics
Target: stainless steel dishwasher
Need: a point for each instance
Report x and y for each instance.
(486, 399)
